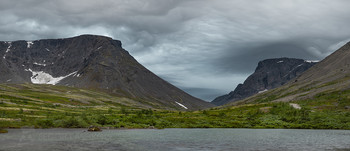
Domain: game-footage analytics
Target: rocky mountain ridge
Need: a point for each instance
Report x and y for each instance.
(269, 74)
(328, 78)
(93, 62)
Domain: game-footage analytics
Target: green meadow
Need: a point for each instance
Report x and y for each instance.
(63, 107)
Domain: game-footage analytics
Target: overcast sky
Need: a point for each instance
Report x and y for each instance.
(205, 47)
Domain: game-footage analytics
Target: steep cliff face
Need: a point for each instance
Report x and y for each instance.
(269, 74)
(93, 62)
(328, 79)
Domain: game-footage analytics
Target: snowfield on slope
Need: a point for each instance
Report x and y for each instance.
(40, 77)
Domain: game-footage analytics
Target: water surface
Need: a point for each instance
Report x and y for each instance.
(175, 139)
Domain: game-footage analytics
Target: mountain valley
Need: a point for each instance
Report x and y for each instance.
(34, 95)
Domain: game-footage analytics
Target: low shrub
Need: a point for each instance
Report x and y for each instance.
(72, 122)
(46, 123)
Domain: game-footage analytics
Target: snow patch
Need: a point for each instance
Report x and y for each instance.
(181, 105)
(298, 66)
(8, 48)
(47, 49)
(40, 77)
(263, 91)
(29, 44)
(279, 61)
(293, 69)
(311, 61)
(296, 106)
(76, 75)
(9, 80)
(39, 64)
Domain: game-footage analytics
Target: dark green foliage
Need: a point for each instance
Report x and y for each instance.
(8, 97)
(163, 124)
(110, 111)
(85, 118)
(205, 112)
(222, 114)
(51, 105)
(3, 114)
(72, 122)
(102, 120)
(46, 123)
(289, 114)
(124, 111)
(20, 111)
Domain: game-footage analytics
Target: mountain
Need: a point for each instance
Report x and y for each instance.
(269, 74)
(330, 77)
(92, 62)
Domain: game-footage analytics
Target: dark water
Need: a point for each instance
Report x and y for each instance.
(175, 139)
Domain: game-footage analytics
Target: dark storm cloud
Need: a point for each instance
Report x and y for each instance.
(248, 57)
(206, 47)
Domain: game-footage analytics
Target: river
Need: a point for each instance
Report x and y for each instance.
(175, 139)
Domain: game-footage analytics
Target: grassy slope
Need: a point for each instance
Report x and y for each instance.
(28, 105)
(46, 106)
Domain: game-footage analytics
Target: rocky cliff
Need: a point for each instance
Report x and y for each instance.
(269, 74)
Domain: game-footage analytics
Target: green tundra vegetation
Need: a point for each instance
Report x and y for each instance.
(31, 106)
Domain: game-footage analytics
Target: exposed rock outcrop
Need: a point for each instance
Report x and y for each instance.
(270, 74)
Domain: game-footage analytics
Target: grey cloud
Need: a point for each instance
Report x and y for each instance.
(247, 58)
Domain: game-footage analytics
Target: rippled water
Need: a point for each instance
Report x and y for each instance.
(175, 139)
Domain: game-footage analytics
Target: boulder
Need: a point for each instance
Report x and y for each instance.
(94, 129)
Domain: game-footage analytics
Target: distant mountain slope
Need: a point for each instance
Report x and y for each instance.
(330, 75)
(269, 74)
(89, 61)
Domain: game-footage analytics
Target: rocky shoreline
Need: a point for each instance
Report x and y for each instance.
(3, 131)
(89, 129)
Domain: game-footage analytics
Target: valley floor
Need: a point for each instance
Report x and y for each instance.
(331, 111)
(271, 115)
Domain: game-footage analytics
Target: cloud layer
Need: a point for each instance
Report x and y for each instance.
(205, 47)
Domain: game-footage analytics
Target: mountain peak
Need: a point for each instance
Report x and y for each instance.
(89, 61)
(269, 74)
(326, 78)
(96, 38)
(92, 36)
(278, 63)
